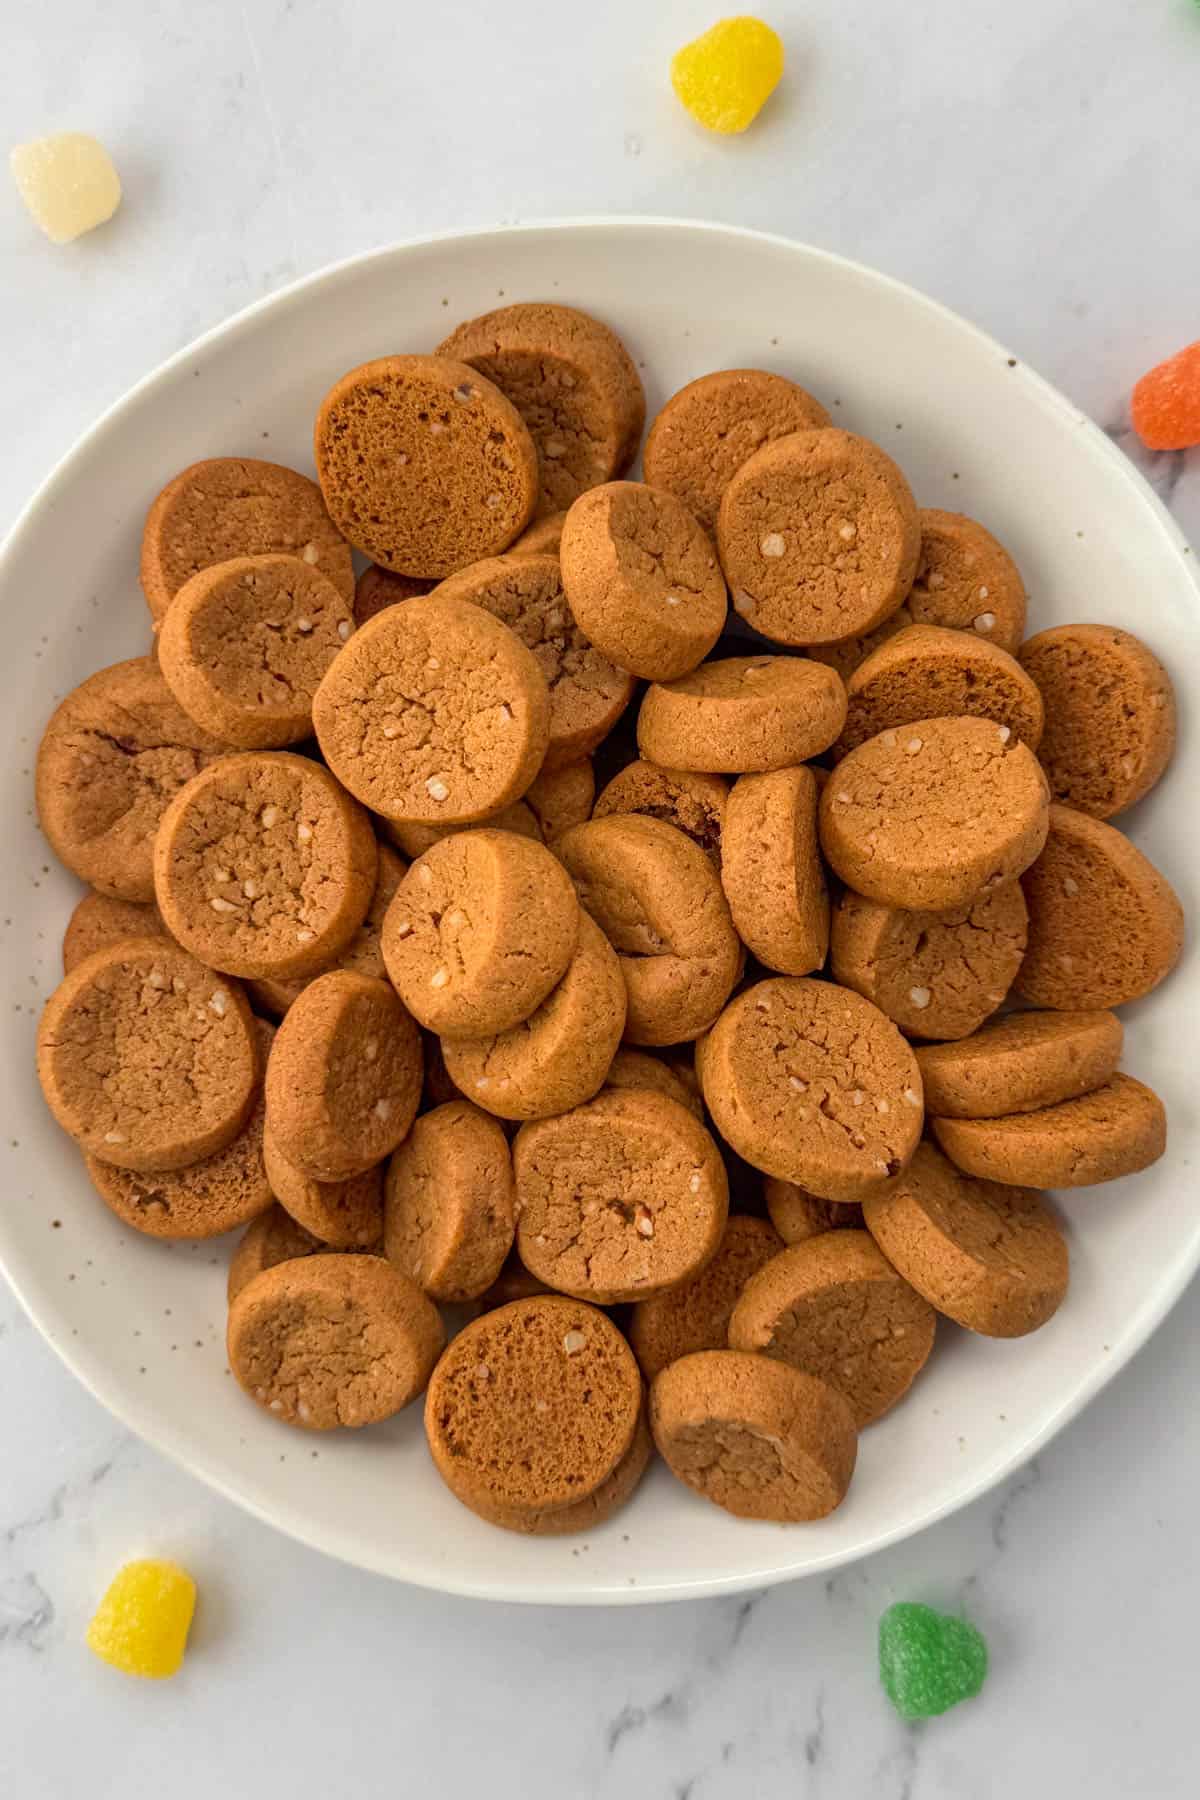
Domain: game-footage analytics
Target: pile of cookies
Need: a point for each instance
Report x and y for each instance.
(370, 967)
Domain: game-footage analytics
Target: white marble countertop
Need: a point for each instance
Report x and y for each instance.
(1031, 164)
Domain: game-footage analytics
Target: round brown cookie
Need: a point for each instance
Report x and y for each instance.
(771, 870)
(585, 1514)
(835, 1307)
(1114, 1130)
(588, 693)
(557, 1057)
(658, 900)
(937, 974)
(929, 816)
(376, 589)
(643, 579)
(114, 753)
(415, 840)
(1110, 715)
(322, 1341)
(449, 1215)
(853, 651)
(272, 1238)
(638, 1069)
(263, 866)
(930, 672)
(362, 956)
(819, 537)
(245, 644)
(967, 580)
(435, 712)
(424, 465)
(990, 1257)
(533, 1405)
(694, 804)
(755, 1437)
(796, 1214)
(695, 1314)
(542, 538)
(1020, 1063)
(236, 506)
(1104, 926)
(146, 1058)
(742, 715)
(341, 1215)
(344, 1077)
(481, 928)
(99, 921)
(812, 1083)
(712, 426)
(572, 381)
(562, 797)
(514, 1282)
(620, 1198)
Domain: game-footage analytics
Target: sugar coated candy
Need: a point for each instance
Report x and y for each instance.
(725, 76)
(68, 182)
(928, 1661)
(141, 1625)
(1166, 402)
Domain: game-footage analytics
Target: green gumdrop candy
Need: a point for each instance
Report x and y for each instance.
(928, 1661)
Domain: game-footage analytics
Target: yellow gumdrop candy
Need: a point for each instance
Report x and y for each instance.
(141, 1625)
(727, 75)
(68, 182)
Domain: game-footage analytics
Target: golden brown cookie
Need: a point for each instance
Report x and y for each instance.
(643, 579)
(1112, 1131)
(847, 656)
(929, 816)
(812, 1083)
(1110, 715)
(694, 804)
(263, 866)
(113, 755)
(771, 870)
(695, 1314)
(236, 506)
(434, 712)
(819, 537)
(1104, 926)
(967, 580)
(344, 1077)
(533, 1405)
(658, 900)
(712, 426)
(937, 974)
(342, 1215)
(836, 1308)
(146, 1058)
(760, 1439)
(593, 1509)
(376, 589)
(245, 644)
(558, 1057)
(415, 840)
(562, 797)
(322, 1341)
(572, 381)
(638, 1069)
(742, 715)
(449, 1213)
(930, 672)
(362, 956)
(542, 538)
(796, 1214)
(618, 1199)
(272, 1238)
(990, 1257)
(588, 693)
(1020, 1063)
(99, 921)
(424, 465)
(514, 1282)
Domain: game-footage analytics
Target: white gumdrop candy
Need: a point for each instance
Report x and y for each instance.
(68, 182)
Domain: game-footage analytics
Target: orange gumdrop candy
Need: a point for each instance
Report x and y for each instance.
(1166, 403)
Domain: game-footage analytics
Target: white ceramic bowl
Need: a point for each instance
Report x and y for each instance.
(142, 1323)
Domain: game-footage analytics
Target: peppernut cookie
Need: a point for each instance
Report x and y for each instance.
(694, 1315)
(936, 974)
(514, 1282)
(1021, 1063)
(415, 840)
(341, 1215)
(263, 866)
(812, 1083)
(99, 921)
(273, 1237)
(593, 1509)
(323, 1341)
(423, 464)
(362, 956)
(757, 1438)
(435, 712)
(376, 589)
(694, 804)
(852, 652)
(796, 1214)
(146, 1058)
(562, 797)
(542, 538)
(1105, 926)
(344, 1077)
(449, 1212)
(639, 1069)
(929, 816)
(1114, 1130)
(237, 506)
(819, 537)
(742, 715)
(771, 870)
(1110, 715)
(113, 755)
(966, 579)
(931, 672)
(990, 1257)
(836, 1308)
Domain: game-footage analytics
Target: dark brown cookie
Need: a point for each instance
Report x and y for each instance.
(694, 804)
